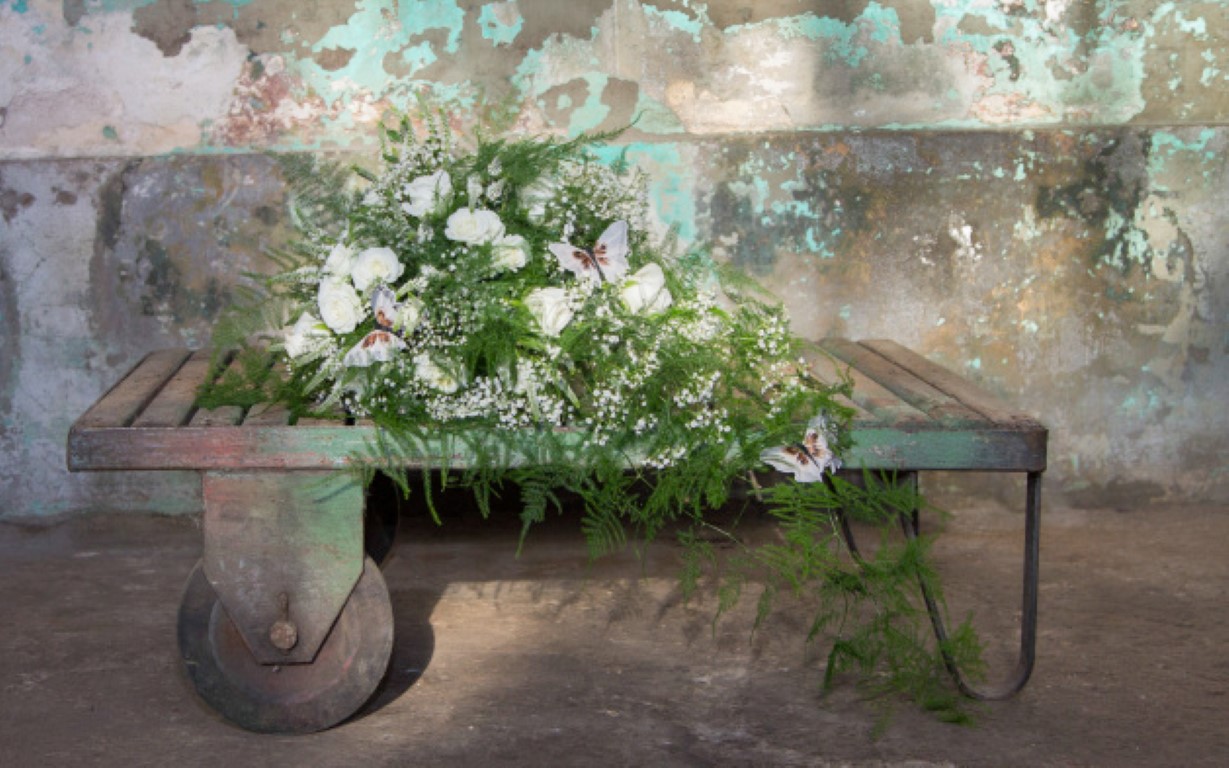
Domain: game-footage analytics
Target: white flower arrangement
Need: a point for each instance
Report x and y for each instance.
(512, 295)
(533, 297)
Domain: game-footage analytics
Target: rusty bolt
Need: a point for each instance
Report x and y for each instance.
(283, 634)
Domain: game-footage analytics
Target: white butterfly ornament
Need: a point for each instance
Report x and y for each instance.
(379, 345)
(607, 261)
(806, 461)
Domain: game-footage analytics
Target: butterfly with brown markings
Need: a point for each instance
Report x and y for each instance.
(806, 461)
(380, 344)
(607, 261)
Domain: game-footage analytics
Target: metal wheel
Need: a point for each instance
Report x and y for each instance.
(289, 698)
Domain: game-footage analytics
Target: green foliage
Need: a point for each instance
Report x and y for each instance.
(867, 606)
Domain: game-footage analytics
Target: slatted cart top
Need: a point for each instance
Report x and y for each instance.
(911, 414)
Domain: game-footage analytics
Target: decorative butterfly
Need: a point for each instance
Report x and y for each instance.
(605, 263)
(379, 345)
(806, 461)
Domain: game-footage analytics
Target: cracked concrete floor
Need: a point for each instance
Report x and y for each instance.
(543, 661)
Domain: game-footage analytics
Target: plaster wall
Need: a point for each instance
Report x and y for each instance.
(1032, 191)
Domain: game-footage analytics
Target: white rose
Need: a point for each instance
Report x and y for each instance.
(408, 314)
(339, 304)
(645, 291)
(375, 265)
(427, 193)
(435, 376)
(340, 261)
(510, 253)
(474, 227)
(536, 195)
(551, 308)
(302, 336)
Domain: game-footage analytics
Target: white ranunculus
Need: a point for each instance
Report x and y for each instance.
(645, 291)
(510, 253)
(375, 265)
(302, 336)
(536, 195)
(427, 193)
(340, 261)
(339, 305)
(435, 376)
(474, 226)
(551, 308)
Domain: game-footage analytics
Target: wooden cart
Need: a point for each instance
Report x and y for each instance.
(286, 623)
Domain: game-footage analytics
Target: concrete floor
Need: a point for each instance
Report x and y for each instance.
(541, 661)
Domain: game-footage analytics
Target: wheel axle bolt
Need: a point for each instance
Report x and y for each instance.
(284, 635)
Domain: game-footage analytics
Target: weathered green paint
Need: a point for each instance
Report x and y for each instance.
(268, 534)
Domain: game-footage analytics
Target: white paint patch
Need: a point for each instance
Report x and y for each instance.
(106, 90)
(962, 233)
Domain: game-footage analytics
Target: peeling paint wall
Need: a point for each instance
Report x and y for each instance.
(1032, 191)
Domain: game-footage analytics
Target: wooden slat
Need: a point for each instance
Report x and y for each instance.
(883, 406)
(271, 447)
(267, 415)
(173, 404)
(336, 421)
(904, 384)
(824, 368)
(126, 399)
(222, 416)
(968, 394)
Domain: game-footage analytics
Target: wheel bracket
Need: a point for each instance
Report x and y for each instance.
(283, 551)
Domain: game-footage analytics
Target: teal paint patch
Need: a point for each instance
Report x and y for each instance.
(593, 111)
(1197, 27)
(418, 57)
(109, 133)
(1047, 68)
(500, 23)
(1167, 148)
(671, 182)
(677, 20)
(780, 200)
(377, 29)
(842, 42)
(1165, 144)
(19, 6)
(838, 37)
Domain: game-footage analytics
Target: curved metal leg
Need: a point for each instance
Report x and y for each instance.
(910, 523)
(1028, 614)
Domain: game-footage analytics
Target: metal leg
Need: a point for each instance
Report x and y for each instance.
(1028, 614)
(910, 523)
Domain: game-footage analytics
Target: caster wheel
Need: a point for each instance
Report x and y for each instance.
(289, 698)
